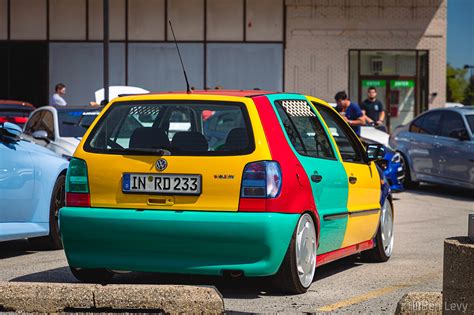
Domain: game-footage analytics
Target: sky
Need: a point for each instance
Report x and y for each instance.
(460, 32)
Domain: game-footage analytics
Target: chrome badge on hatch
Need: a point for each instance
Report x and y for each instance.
(161, 164)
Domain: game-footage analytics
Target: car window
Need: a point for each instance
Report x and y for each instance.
(48, 124)
(183, 128)
(304, 129)
(33, 123)
(451, 124)
(470, 122)
(416, 125)
(350, 150)
(74, 122)
(431, 123)
(41, 120)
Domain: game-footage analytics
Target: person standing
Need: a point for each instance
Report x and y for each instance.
(373, 110)
(58, 97)
(349, 111)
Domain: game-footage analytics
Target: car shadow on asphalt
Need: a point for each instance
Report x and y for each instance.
(17, 248)
(233, 288)
(454, 193)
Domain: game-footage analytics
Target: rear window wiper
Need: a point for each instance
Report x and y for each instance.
(158, 151)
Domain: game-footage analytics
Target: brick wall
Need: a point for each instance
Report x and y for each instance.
(320, 33)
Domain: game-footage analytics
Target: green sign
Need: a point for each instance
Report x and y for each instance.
(374, 83)
(402, 84)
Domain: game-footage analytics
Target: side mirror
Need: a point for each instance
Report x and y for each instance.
(375, 152)
(10, 131)
(41, 135)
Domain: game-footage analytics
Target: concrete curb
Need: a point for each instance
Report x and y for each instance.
(426, 303)
(28, 297)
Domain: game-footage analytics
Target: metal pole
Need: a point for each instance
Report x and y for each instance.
(106, 51)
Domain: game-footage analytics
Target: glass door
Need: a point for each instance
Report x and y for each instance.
(397, 95)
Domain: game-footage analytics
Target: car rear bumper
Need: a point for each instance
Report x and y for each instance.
(194, 242)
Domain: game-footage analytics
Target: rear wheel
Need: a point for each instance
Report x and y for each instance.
(99, 275)
(384, 239)
(297, 270)
(407, 180)
(53, 240)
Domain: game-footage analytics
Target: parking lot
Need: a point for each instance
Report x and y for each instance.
(423, 219)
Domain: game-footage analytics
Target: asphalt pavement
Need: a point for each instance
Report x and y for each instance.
(423, 219)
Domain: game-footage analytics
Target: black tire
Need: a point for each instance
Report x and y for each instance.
(53, 240)
(378, 254)
(286, 280)
(407, 181)
(99, 275)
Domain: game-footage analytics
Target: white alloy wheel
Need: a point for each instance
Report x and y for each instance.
(306, 250)
(386, 226)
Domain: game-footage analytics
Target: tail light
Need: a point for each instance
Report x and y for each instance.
(77, 184)
(13, 119)
(261, 180)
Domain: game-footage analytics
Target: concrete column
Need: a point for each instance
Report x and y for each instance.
(458, 276)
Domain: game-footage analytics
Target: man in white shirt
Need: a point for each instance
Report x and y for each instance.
(58, 98)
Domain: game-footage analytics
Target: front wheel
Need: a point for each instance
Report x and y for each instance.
(384, 239)
(99, 275)
(297, 270)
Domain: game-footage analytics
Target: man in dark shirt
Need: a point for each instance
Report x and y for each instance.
(349, 111)
(373, 110)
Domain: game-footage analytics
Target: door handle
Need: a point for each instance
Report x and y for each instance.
(316, 178)
(352, 179)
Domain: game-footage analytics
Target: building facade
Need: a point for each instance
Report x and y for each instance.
(309, 46)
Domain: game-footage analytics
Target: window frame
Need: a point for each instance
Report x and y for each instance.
(349, 134)
(300, 138)
(245, 114)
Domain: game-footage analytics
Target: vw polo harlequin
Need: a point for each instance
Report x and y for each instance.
(249, 182)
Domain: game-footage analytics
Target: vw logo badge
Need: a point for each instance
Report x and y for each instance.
(161, 164)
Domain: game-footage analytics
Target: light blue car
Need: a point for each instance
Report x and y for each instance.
(31, 189)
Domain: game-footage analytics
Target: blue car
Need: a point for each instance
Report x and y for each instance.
(392, 166)
(31, 189)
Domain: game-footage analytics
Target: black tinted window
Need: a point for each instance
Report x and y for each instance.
(451, 125)
(304, 129)
(349, 149)
(431, 123)
(74, 122)
(181, 127)
(470, 121)
(416, 125)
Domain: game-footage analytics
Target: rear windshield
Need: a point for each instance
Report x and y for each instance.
(173, 127)
(74, 122)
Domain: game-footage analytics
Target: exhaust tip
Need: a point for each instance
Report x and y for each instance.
(233, 273)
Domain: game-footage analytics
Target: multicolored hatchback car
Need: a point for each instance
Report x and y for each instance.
(243, 182)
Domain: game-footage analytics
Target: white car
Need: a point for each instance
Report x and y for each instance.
(59, 129)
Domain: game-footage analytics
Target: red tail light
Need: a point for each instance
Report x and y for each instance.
(12, 119)
(78, 200)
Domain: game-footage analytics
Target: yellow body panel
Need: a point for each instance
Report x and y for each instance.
(363, 195)
(221, 176)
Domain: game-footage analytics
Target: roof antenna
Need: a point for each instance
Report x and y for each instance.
(188, 89)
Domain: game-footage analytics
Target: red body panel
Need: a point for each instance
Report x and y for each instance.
(344, 252)
(295, 182)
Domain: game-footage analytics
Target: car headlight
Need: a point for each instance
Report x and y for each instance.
(396, 158)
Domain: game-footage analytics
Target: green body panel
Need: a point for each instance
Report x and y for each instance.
(194, 242)
(330, 195)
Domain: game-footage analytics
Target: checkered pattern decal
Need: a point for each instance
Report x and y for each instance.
(144, 109)
(297, 108)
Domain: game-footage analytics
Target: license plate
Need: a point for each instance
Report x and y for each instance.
(162, 184)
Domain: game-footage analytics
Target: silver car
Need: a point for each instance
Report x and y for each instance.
(438, 147)
(59, 129)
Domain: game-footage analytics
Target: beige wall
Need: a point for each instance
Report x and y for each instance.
(321, 32)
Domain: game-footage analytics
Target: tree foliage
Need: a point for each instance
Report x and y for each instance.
(456, 84)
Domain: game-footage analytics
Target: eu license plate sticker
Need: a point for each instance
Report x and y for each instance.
(161, 183)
